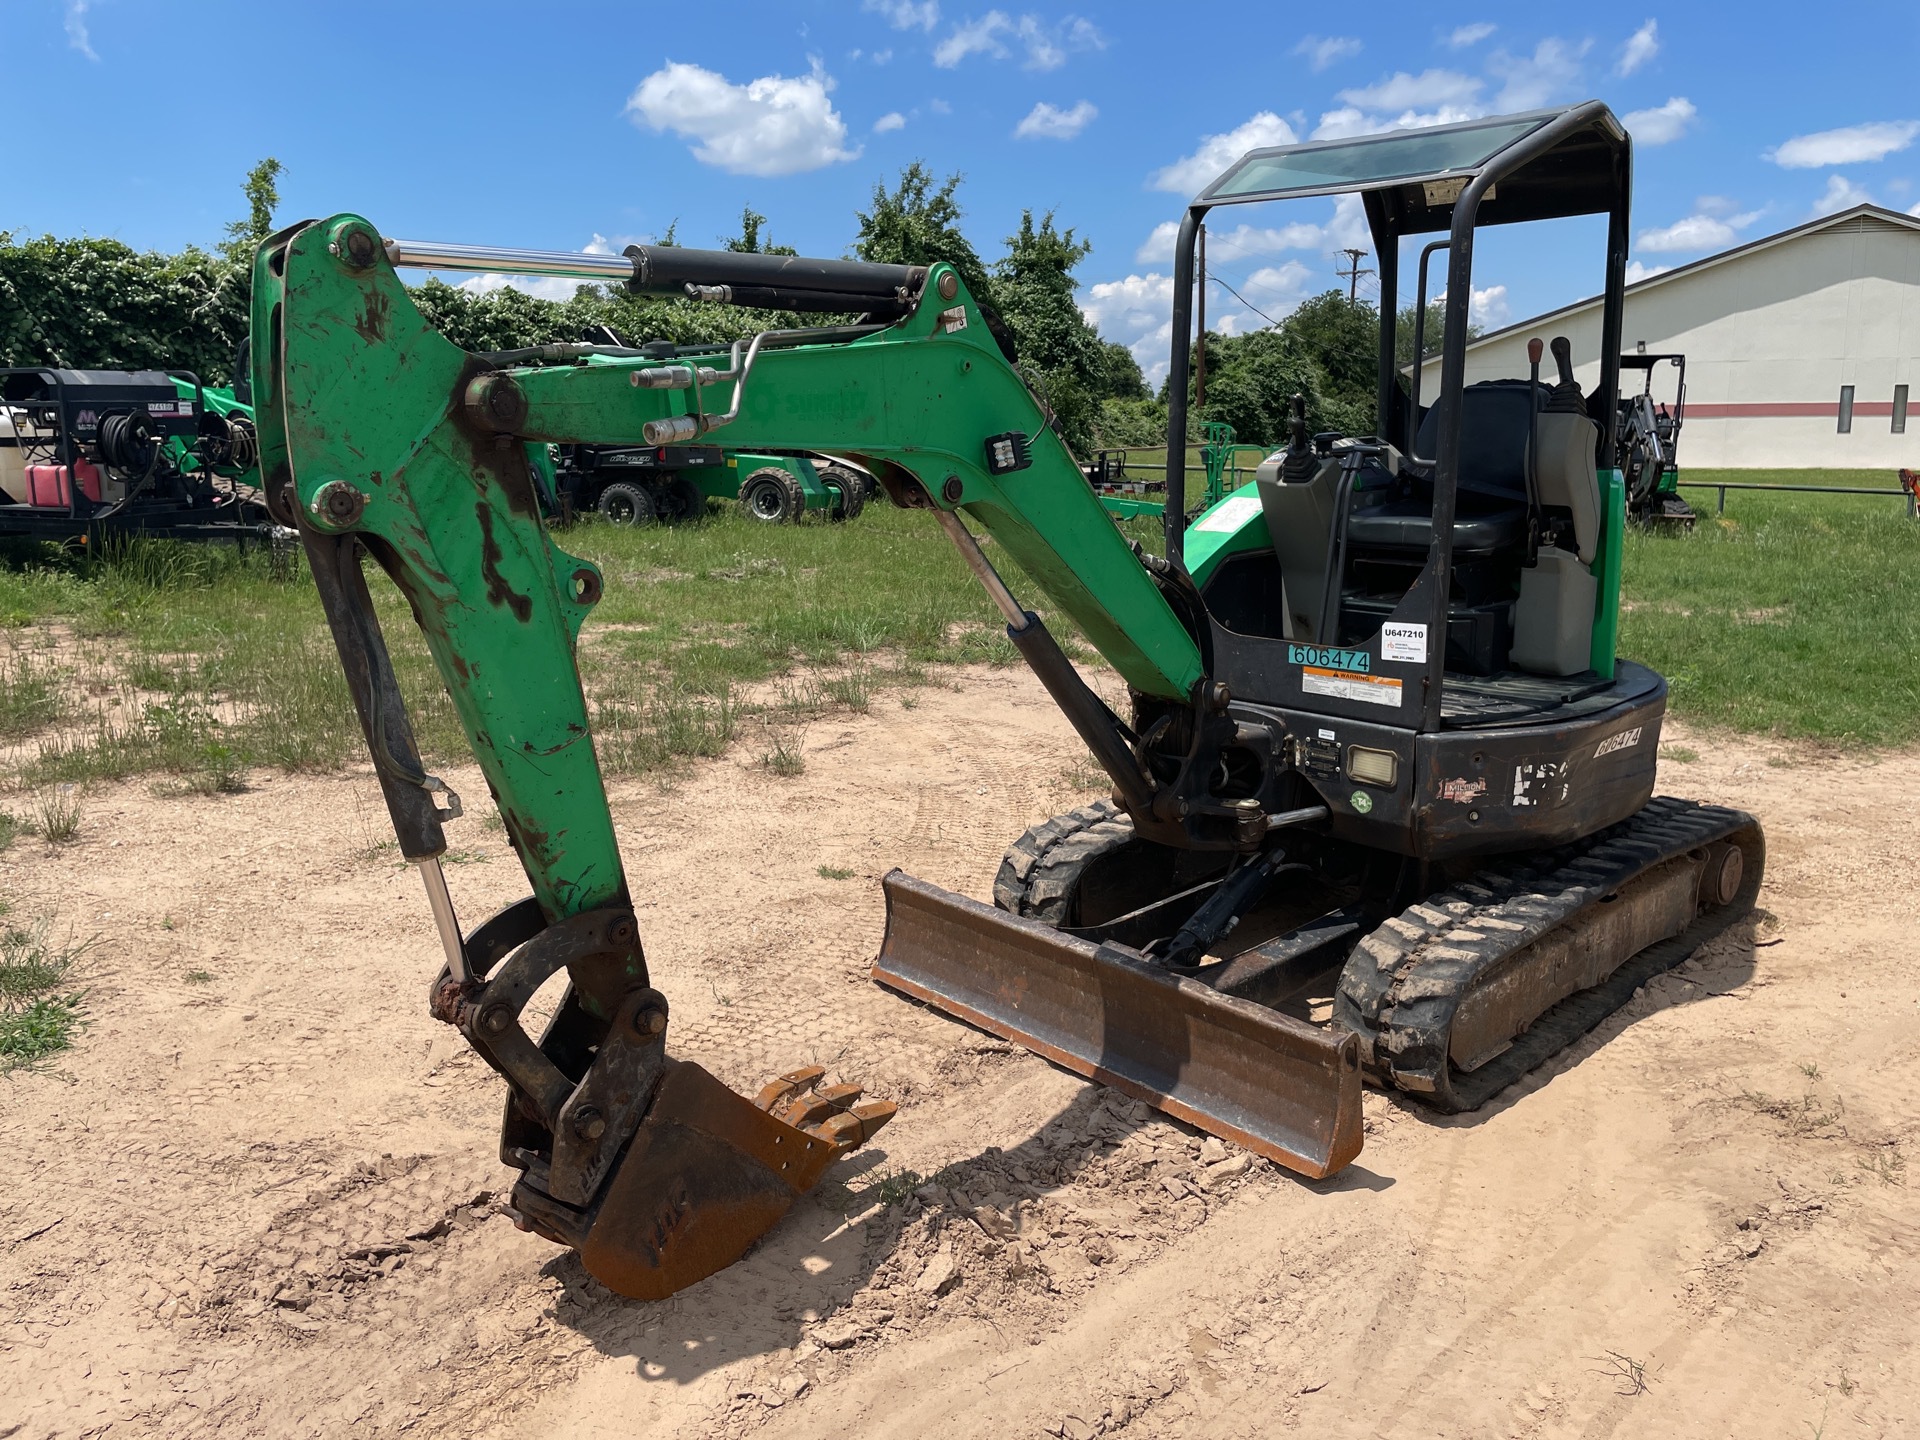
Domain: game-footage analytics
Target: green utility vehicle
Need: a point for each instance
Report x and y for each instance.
(1382, 794)
(635, 484)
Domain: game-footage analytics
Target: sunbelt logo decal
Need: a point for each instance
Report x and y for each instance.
(1360, 660)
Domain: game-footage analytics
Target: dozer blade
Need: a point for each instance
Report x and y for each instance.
(1278, 1086)
(709, 1172)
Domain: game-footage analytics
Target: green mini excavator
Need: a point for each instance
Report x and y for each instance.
(1382, 797)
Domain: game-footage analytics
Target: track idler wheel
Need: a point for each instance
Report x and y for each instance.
(709, 1172)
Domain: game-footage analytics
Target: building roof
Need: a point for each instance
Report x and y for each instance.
(1859, 217)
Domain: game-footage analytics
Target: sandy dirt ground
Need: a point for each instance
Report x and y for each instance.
(261, 1195)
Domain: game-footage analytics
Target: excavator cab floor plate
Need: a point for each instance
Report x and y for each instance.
(1284, 1089)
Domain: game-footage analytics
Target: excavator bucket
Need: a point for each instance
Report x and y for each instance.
(1278, 1086)
(707, 1174)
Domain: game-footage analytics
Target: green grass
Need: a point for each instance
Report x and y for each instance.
(39, 1016)
(196, 664)
(204, 661)
(1791, 614)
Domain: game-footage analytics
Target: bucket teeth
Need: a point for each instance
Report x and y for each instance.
(812, 1109)
(833, 1113)
(794, 1082)
(853, 1127)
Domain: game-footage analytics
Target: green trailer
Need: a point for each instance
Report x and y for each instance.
(1133, 481)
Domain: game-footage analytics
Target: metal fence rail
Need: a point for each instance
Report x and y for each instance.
(1911, 494)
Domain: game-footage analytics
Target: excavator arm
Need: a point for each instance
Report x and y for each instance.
(380, 438)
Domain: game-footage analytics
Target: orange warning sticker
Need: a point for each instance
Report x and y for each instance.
(1351, 685)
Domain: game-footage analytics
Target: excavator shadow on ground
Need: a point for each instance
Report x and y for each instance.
(836, 1263)
(845, 1264)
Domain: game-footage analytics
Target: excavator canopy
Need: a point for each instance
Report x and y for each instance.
(1414, 176)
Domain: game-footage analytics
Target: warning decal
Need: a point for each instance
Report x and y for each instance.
(1230, 514)
(1347, 685)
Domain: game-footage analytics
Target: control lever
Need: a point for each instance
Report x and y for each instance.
(1563, 356)
(1300, 463)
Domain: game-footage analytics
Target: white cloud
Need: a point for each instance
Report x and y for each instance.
(1049, 122)
(1637, 272)
(1136, 312)
(1189, 174)
(1428, 90)
(1716, 205)
(1661, 125)
(1277, 289)
(77, 35)
(775, 125)
(1486, 308)
(1913, 210)
(1324, 50)
(1158, 246)
(1349, 229)
(881, 57)
(1849, 145)
(1470, 35)
(1699, 231)
(1238, 243)
(1046, 48)
(975, 37)
(1350, 120)
(1840, 194)
(892, 120)
(1433, 97)
(939, 106)
(1536, 80)
(905, 14)
(1641, 47)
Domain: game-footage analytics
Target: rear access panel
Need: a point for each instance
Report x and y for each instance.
(1280, 1087)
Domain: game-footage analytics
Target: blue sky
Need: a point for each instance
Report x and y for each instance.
(567, 126)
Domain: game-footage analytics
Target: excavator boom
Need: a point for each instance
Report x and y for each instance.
(379, 437)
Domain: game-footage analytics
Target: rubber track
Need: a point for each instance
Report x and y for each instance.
(1043, 867)
(1405, 980)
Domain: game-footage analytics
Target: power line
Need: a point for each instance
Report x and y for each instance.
(1244, 301)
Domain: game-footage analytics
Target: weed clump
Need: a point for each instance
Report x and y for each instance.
(39, 1016)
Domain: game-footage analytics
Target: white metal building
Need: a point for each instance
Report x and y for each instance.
(1803, 348)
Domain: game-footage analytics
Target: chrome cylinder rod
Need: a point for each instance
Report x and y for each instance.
(444, 920)
(982, 568)
(488, 260)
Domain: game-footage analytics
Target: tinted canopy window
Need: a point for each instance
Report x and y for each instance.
(1370, 160)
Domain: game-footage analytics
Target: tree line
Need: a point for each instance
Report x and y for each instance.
(100, 304)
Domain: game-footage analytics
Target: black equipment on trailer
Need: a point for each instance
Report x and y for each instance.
(93, 453)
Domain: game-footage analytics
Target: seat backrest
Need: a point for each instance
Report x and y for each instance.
(1569, 477)
(1495, 427)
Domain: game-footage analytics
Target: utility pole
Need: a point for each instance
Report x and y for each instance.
(1200, 362)
(1353, 273)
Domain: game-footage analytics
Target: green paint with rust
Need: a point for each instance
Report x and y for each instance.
(363, 390)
